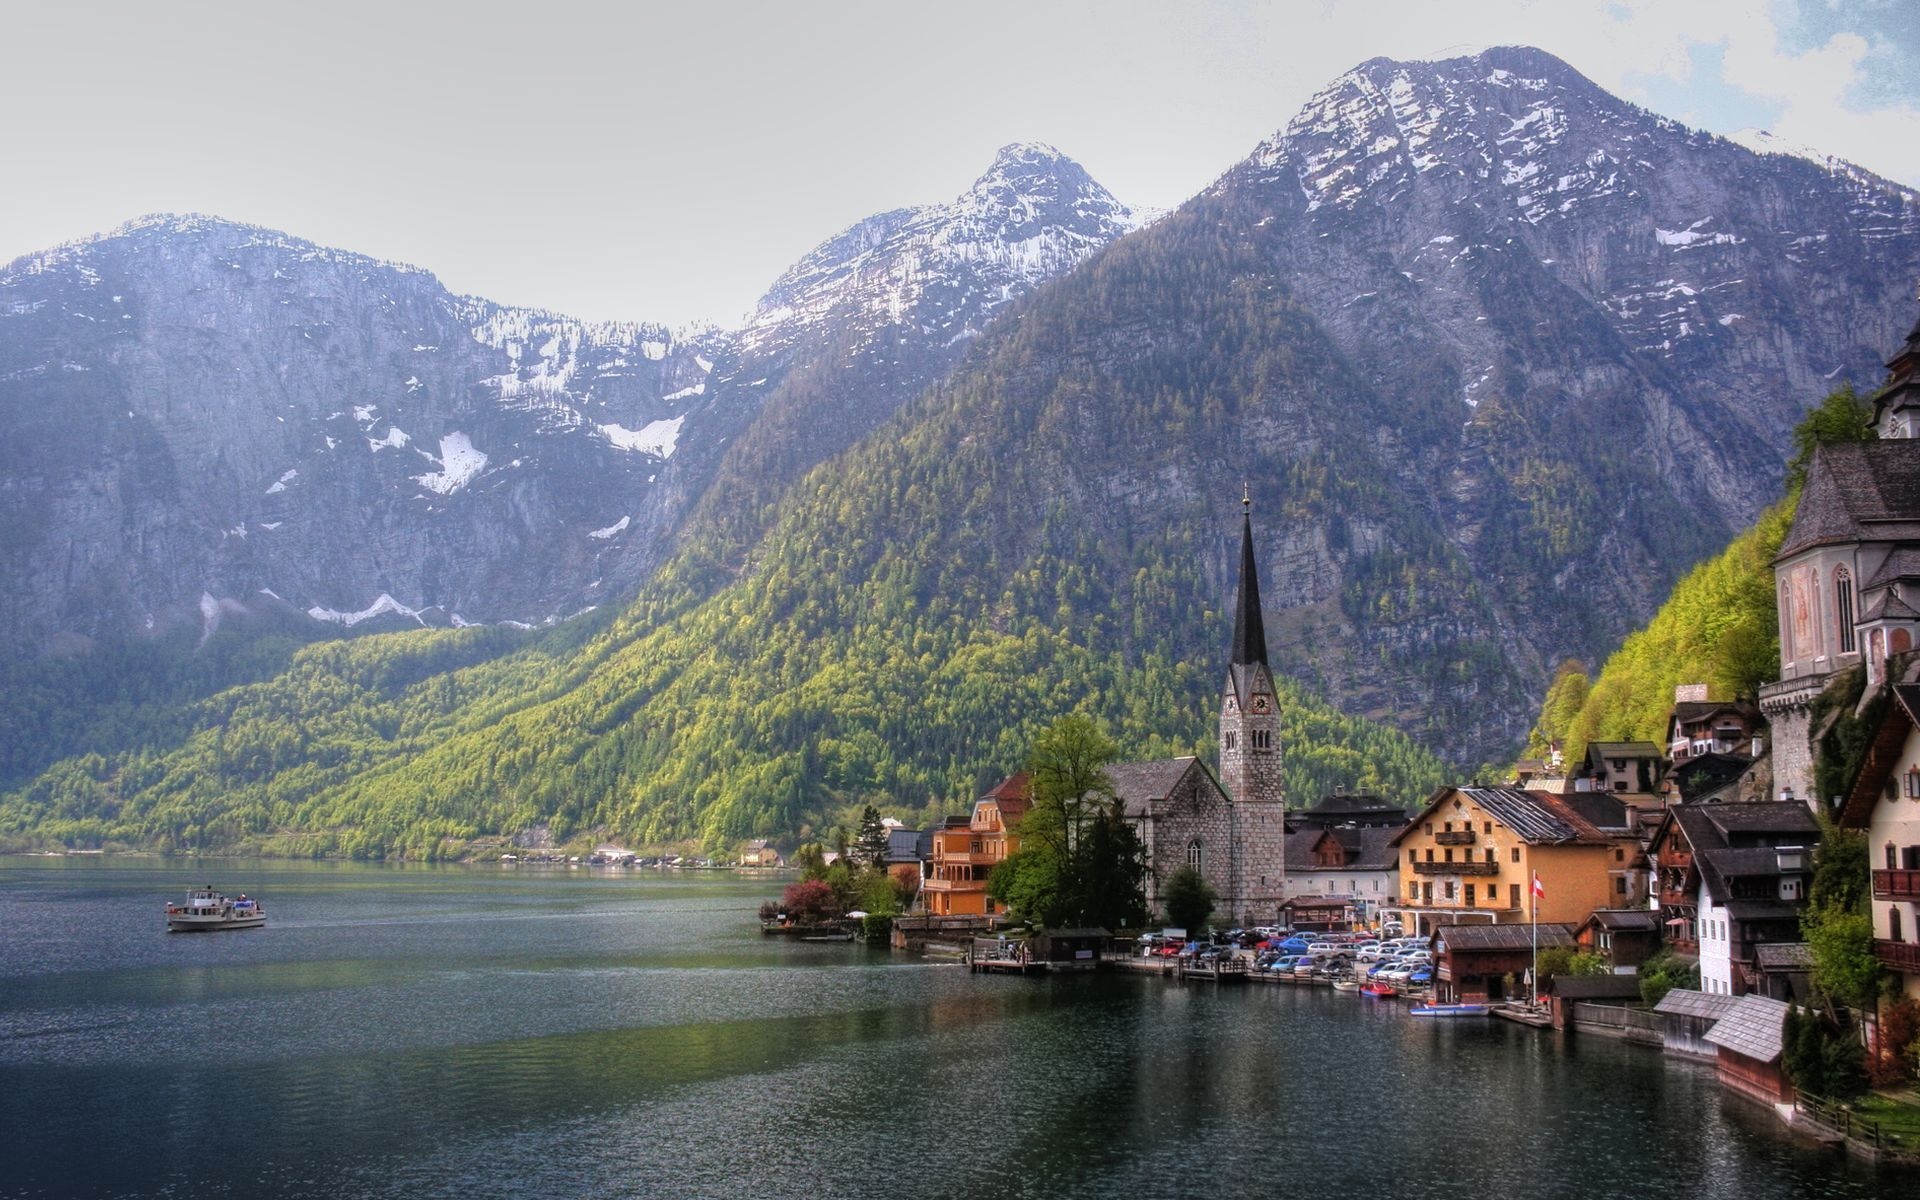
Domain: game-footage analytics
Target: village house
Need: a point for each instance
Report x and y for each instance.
(964, 854)
(1847, 578)
(1731, 878)
(1625, 937)
(1343, 868)
(1472, 854)
(1884, 802)
(1698, 726)
(1360, 810)
(760, 853)
(1483, 964)
(909, 851)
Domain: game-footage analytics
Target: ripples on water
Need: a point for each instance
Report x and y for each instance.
(478, 1033)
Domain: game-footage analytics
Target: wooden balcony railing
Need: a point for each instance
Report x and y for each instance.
(1898, 956)
(1456, 868)
(1457, 837)
(1896, 885)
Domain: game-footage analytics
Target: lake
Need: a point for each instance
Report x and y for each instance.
(482, 1031)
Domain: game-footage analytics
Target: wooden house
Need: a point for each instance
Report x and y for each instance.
(1750, 1041)
(964, 855)
(1478, 964)
(1625, 937)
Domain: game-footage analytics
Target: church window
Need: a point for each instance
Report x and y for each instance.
(1193, 854)
(1843, 608)
(1231, 738)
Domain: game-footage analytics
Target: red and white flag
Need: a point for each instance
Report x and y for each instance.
(1539, 889)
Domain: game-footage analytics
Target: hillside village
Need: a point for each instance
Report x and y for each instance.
(1705, 881)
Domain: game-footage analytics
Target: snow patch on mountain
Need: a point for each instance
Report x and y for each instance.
(385, 604)
(459, 462)
(658, 438)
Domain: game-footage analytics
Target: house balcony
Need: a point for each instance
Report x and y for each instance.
(1456, 837)
(1903, 957)
(1896, 885)
(1456, 868)
(954, 885)
(967, 859)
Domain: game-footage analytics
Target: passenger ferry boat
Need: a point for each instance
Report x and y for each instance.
(207, 909)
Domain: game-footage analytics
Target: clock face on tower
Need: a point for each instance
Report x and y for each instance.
(1260, 705)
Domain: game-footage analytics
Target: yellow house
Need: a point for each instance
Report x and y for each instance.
(965, 855)
(1471, 855)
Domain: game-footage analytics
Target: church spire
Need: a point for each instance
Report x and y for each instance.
(1249, 632)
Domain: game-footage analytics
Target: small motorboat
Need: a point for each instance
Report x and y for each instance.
(207, 910)
(1450, 1010)
(1374, 987)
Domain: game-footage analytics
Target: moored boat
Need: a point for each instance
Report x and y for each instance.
(207, 910)
(1376, 988)
(1450, 1010)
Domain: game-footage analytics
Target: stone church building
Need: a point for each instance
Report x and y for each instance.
(1847, 577)
(1232, 829)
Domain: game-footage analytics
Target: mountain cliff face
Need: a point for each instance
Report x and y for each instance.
(1497, 356)
(205, 417)
(872, 316)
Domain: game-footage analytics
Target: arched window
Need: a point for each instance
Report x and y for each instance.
(1193, 854)
(1843, 608)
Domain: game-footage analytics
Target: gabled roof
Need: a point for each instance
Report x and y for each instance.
(1538, 818)
(1017, 786)
(1858, 492)
(1688, 712)
(1140, 785)
(1623, 750)
(1368, 849)
(1903, 563)
(1594, 987)
(1501, 937)
(1883, 755)
(1359, 808)
(1752, 1027)
(1625, 920)
(1885, 606)
(1603, 810)
(1685, 1002)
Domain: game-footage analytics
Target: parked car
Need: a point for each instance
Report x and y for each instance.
(1421, 975)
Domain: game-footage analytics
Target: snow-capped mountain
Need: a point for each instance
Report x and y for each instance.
(873, 315)
(203, 417)
(207, 419)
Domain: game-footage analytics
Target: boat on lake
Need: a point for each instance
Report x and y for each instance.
(1450, 1010)
(207, 910)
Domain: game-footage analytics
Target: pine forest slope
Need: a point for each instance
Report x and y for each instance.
(1497, 355)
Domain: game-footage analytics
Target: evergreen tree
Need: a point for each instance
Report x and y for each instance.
(872, 847)
(1189, 900)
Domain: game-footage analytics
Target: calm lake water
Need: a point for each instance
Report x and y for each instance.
(511, 1032)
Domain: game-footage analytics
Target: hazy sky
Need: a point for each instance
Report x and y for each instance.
(666, 162)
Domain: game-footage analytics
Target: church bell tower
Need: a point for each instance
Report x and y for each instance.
(1249, 707)
(1250, 773)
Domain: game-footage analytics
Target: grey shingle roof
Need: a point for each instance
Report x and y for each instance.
(1751, 1027)
(1784, 956)
(1858, 491)
(1766, 816)
(1501, 937)
(1140, 784)
(1903, 563)
(1627, 920)
(1685, 1002)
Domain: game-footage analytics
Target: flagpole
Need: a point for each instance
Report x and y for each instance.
(1533, 907)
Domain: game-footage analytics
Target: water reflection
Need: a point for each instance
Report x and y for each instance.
(480, 1035)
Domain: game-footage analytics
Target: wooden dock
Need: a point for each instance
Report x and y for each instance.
(996, 956)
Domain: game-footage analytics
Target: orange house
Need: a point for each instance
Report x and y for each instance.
(1472, 854)
(964, 855)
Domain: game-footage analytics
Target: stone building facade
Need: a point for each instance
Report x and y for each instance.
(1233, 830)
(1847, 578)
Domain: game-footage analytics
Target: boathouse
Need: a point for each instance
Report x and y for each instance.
(1689, 1015)
(1480, 964)
(1750, 1042)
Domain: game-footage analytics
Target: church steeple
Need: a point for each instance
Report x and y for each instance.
(1249, 632)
